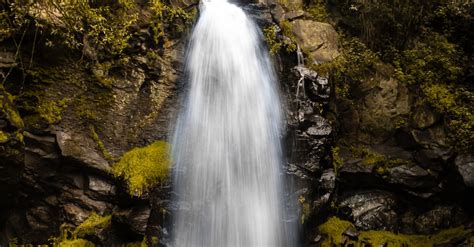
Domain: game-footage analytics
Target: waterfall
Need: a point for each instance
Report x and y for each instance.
(226, 146)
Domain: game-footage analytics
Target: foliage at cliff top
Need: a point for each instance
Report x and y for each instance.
(104, 26)
(333, 231)
(145, 167)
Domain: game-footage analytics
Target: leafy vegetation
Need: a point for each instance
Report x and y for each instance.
(143, 168)
(317, 9)
(278, 37)
(424, 44)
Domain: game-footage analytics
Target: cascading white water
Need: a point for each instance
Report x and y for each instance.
(226, 146)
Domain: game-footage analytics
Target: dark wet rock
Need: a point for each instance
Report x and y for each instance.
(75, 213)
(45, 146)
(7, 59)
(82, 149)
(320, 127)
(260, 13)
(136, 218)
(371, 210)
(316, 87)
(184, 3)
(320, 203)
(440, 217)
(433, 159)
(39, 217)
(355, 166)
(431, 138)
(101, 186)
(411, 176)
(392, 152)
(465, 166)
(327, 180)
(352, 232)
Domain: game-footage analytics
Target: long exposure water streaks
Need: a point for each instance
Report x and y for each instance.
(226, 145)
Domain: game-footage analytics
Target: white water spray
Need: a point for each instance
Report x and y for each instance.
(226, 147)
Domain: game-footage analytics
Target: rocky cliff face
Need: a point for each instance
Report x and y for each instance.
(380, 160)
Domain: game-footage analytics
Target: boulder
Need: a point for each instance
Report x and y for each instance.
(371, 210)
(424, 116)
(411, 176)
(318, 38)
(465, 166)
(384, 102)
(81, 149)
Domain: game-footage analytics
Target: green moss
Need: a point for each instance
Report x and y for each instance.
(3, 137)
(75, 243)
(334, 228)
(99, 142)
(101, 73)
(13, 117)
(7, 106)
(19, 136)
(51, 111)
(305, 209)
(336, 159)
(370, 157)
(144, 167)
(91, 225)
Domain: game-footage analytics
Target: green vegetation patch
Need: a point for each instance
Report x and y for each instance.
(100, 143)
(333, 230)
(145, 167)
(51, 111)
(92, 224)
(3, 137)
(276, 42)
(7, 106)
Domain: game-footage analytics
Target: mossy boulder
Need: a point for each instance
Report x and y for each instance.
(145, 167)
(384, 105)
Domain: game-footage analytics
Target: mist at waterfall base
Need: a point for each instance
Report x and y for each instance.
(227, 176)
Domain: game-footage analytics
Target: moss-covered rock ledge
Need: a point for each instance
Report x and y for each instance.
(337, 232)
